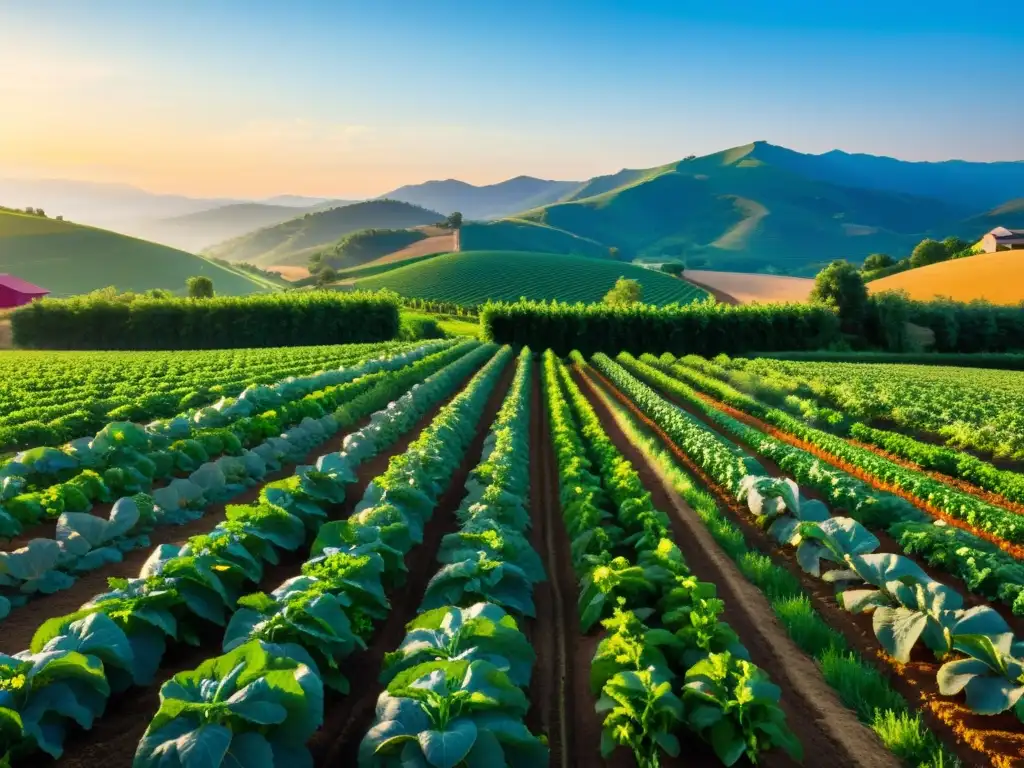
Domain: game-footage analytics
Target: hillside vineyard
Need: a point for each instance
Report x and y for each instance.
(439, 553)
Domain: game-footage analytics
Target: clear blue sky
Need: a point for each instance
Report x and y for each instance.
(357, 97)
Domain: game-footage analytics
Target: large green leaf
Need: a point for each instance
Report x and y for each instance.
(447, 748)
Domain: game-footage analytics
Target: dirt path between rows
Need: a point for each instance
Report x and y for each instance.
(821, 722)
(998, 738)
(562, 705)
(348, 718)
(113, 739)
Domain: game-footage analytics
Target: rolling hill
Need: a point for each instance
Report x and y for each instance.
(758, 208)
(69, 259)
(743, 210)
(472, 277)
(995, 277)
(491, 201)
(202, 229)
(292, 242)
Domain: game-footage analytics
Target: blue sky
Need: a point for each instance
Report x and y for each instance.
(354, 98)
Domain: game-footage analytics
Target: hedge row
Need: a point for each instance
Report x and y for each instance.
(705, 328)
(261, 320)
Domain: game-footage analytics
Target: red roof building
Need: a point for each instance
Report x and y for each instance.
(14, 291)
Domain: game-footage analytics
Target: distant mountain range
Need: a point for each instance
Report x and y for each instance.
(491, 201)
(758, 207)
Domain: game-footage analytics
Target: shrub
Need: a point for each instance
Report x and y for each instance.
(285, 319)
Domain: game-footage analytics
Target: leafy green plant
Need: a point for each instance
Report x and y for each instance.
(481, 631)
(448, 713)
(733, 706)
(252, 707)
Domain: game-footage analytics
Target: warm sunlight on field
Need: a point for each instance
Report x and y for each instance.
(996, 277)
(290, 271)
(745, 288)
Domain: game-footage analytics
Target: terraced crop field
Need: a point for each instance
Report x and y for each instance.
(472, 277)
(453, 554)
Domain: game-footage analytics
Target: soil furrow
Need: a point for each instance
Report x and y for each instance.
(998, 739)
(348, 718)
(823, 725)
(562, 705)
(114, 737)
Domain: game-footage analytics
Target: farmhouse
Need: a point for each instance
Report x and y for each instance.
(14, 291)
(1002, 239)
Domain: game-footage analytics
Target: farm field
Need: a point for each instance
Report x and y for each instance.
(449, 553)
(472, 277)
(995, 277)
(744, 288)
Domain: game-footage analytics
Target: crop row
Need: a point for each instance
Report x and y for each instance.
(119, 638)
(455, 686)
(791, 394)
(985, 569)
(124, 458)
(313, 620)
(908, 608)
(663, 628)
(859, 684)
(982, 516)
(969, 408)
(115, 386)
(84, 541)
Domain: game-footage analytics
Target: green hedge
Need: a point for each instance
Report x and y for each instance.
(705, 328)
(262, 320)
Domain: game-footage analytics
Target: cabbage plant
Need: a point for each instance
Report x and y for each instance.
(992, 675)
(253, 707)
(481, 631)
(444, 714)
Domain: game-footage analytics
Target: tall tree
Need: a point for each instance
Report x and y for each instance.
(840, 285)
(199, 287)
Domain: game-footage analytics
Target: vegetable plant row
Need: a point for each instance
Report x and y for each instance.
(47, 398)
(974, 408)
(794, 395)
(257, 704)
(985, 569)
(456, 685)
(125, 457)
(981, 515)
(663, 633)
(84, 541)
(119, 638)
(981, 655)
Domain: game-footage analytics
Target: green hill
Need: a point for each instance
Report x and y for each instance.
(472, 277)
(365, 245)
(738, 210)
(754, 208)
(521, 235)
(203, 229)
(295, 240)
(69, 259)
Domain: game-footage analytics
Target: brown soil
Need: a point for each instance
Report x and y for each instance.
(823, 725)
(998, 739)
(113, 739)
(348, 718)
(560, 697)
(290, 272)
(749, 288)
